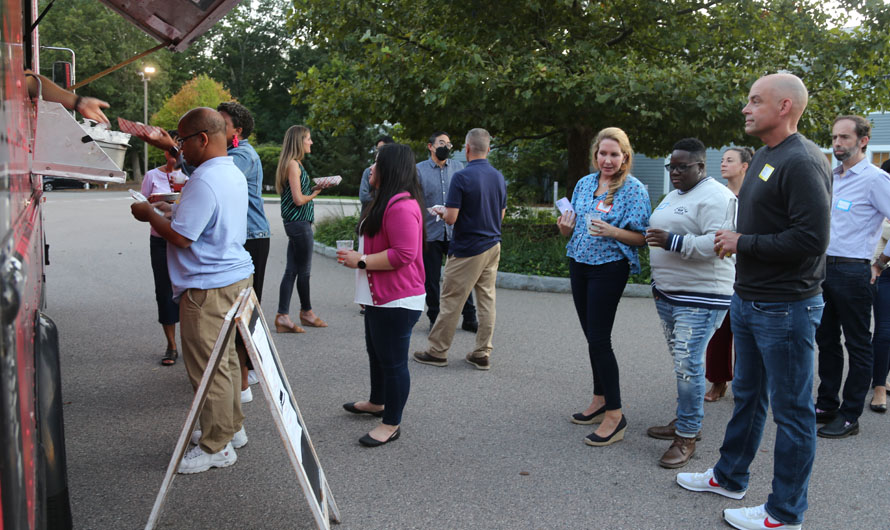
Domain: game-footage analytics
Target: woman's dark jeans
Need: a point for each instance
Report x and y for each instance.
(168, 310)
(388, 336)
(299, 265)
(880, 341)
(597, 290)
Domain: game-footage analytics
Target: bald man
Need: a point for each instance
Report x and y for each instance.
(208, 268)
(783, 231)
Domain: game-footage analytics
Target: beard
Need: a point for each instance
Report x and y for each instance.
(842, 155)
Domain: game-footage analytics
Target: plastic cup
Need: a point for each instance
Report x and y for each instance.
(343, 244)
(592, 229)
(178, 182)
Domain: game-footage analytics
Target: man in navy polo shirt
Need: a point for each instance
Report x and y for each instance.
(475, 206)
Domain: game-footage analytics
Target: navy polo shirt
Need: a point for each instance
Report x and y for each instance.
(480, 193)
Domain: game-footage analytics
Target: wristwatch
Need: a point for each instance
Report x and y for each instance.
(174, 151)
(880, 264)
(361, 262)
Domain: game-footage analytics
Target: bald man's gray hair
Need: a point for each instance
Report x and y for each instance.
(479, 140)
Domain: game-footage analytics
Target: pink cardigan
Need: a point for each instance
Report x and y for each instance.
(402, 237)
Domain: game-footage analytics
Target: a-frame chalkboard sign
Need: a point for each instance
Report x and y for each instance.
(246, 317)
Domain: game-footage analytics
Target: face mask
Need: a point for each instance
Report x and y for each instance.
(442, 152)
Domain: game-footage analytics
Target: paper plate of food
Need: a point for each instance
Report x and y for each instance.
(328, 182)
(163, 197)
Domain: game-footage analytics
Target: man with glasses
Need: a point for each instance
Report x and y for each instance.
(365, 193)
(435, 178)
(208, 268)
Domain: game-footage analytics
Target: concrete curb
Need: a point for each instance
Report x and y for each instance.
(523, 282)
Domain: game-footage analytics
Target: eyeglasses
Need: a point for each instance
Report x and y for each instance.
(446, 144)
(182, 139)
(681, 167)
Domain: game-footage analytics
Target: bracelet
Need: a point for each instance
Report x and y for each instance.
(77, 103)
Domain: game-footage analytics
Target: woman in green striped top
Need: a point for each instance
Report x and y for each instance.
(298, 213)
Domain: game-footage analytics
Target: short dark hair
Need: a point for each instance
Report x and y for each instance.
(385, 138)
(438, 134)
(861, 125)
(240, 116)
(694, 147)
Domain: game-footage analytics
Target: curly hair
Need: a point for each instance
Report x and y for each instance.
(241, 117)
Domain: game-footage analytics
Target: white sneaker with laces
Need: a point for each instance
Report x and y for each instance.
(754, 518)
(706, 482)
(238, 441)
(197, 461)
(246, 396)
(252, 378)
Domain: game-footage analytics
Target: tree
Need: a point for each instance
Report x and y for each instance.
(659, 69)
(202, 91)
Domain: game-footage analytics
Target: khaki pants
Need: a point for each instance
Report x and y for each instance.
(461, 276)
(201, 315)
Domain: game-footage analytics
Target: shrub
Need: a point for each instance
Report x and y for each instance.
(269, 158)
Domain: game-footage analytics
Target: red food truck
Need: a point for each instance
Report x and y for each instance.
(33, 477)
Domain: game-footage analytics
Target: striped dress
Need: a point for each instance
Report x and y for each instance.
(289, 210)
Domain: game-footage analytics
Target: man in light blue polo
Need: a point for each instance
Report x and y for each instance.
(860, 200)
(209, 267)
(435, 179)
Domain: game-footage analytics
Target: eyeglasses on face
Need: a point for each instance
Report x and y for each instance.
(679, 167)
(182, 139)
(441, 143)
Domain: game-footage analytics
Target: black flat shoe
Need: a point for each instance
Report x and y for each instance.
(616, 436)
(882, 408)
(597, 417)
(350, 407)
(838, 428)
(367, 441)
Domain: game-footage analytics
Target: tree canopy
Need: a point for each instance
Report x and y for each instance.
(660, 69)
(202, 91)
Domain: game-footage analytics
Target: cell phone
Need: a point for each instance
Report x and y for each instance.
(138, 197)
(564, 206)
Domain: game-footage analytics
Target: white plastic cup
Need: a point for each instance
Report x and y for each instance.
(592, 229)
(344, 244)
(178, 181)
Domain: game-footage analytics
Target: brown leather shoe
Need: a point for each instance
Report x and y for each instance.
(679, 454)
(667, 432)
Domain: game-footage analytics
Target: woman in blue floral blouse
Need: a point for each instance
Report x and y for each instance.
(611, 214)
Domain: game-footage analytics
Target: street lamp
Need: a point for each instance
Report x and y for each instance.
(145, 74)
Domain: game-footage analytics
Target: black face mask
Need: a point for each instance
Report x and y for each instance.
(442, 152)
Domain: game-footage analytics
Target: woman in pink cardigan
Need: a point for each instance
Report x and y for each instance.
(389, 283)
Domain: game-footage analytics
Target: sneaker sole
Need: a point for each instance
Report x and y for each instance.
(741, 523)
(725, 493)
(431, 363)
(476, 366)
(202, 469)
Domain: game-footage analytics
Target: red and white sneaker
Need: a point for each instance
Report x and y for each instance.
(754, 518)
(706, 482)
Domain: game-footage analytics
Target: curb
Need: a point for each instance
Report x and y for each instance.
(523, 282)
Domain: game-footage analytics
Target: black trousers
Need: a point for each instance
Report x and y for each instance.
(433, 254)
(259, 253)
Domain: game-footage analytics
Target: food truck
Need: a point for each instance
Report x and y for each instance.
(41, 139)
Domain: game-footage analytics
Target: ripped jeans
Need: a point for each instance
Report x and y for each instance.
(687, 331)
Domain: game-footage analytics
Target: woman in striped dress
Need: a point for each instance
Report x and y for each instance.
(298, 213)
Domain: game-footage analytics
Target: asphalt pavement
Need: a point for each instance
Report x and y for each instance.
(478, 449)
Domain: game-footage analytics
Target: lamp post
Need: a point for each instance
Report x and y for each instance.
(145, 74)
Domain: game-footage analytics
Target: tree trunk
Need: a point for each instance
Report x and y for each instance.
(578, 141)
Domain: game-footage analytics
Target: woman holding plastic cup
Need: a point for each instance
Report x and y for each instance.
(160, 181)
(607, 226)
(298, 213)
(389, 282)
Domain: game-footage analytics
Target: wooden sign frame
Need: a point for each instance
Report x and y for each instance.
(244, 318)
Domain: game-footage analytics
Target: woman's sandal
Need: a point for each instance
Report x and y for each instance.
(170, 357)
(282, 326)
(317, 323)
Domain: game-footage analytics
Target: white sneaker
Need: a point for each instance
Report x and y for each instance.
(246, 396)
(196, 460)
(252, 378)
(706, 482)
(238, 441)
(754, 519)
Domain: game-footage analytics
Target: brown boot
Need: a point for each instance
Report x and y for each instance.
(667, 432)
(679, 454)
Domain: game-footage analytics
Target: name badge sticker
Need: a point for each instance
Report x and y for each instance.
(843, 205)
(766, 172)
(603, 207)
(663, 205)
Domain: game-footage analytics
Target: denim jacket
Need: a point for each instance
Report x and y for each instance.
(248, 161)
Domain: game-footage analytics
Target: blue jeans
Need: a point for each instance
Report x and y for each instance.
(775, 350)
(849, 296)
(687, 331)
(300, 244)
(880, 342)
(388, 336)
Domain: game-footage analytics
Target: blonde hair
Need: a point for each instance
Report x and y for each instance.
(291, 149)
(616, 134)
